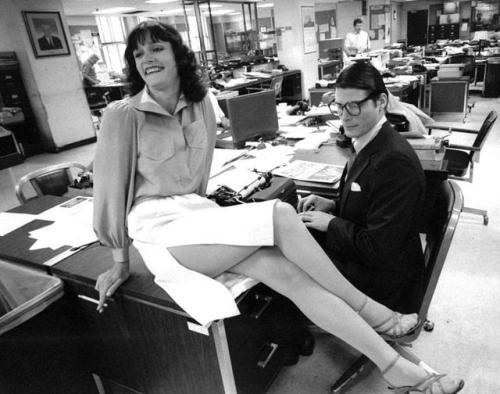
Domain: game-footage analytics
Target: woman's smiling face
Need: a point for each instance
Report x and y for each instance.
(155, 62)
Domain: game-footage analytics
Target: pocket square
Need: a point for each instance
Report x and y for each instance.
(355, 187)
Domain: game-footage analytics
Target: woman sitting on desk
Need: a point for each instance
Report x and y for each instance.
(150, 174)
(371, 231)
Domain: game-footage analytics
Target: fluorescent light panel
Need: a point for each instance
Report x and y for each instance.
(265, 5)
(114, 10)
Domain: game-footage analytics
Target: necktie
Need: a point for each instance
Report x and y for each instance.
(50, 43)
(350, 161)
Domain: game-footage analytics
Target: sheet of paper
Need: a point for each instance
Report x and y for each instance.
(289, 120)
(265, 160)
(11, 221)
(313, 141)
(297, 132)
(77, 210)
(221, 156)
(310, 171)
(73, 225)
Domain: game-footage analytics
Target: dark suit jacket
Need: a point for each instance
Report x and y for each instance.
(374, 238)
(45, 46)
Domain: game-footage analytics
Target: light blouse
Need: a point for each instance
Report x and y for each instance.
(143, 151)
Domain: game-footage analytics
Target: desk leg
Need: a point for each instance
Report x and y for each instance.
(222, 349)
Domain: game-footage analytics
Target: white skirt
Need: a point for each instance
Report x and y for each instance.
(158, 223)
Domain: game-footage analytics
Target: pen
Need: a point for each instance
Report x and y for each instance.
(238, 157)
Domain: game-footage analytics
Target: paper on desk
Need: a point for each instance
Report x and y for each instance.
(11, 221)
(318, 111)
(297, 132)
(289, 120)
(310, 171)
(267, 159)
(73, 225)
(77, 210)
(313, 141)
(62, 233)
(222, 156)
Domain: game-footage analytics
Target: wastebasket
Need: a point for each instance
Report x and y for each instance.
(39, 348)
(24, 293)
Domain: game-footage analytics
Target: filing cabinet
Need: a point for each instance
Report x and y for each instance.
(13, 94)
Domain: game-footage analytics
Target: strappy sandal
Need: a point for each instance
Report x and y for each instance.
(395, 331)
(427, 385)
(389, 333)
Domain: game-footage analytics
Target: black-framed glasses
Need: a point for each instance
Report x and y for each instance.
(353, 108)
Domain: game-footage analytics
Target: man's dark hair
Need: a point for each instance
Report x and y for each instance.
(356, 21)
(362, 75)
(192, 84)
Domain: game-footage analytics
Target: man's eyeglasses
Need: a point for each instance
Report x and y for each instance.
(353, 108)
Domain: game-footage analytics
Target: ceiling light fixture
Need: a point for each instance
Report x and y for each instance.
(265, 5)
(114, 10)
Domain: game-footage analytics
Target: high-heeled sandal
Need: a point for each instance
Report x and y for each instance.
(395, 317)
(426, 385)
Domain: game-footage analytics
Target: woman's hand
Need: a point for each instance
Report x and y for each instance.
(316, 220)
(110, 280)
(315, 203)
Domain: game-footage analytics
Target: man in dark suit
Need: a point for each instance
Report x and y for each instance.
(48, 41)
(370, 231)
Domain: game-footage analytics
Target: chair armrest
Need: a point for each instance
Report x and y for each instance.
(255, 89)
(464, 147)
(451, 128)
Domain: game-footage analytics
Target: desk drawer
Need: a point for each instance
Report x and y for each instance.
(258, 340)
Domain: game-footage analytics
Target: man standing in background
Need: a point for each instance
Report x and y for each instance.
(358, 41)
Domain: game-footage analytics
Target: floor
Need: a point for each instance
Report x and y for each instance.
(465, 305)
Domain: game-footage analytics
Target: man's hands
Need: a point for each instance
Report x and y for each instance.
(316, 220)
(110, 280)
(313, 212)
(315, 203)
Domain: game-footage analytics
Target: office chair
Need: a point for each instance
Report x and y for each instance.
(461, 158)
(449, 96)
(438, 228)
(53, 180)
(275, 84)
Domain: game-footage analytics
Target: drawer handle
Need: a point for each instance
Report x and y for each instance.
(266, 302)
(89, 299)
(262, 364)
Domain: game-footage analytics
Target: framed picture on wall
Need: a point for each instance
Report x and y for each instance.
(46, 33)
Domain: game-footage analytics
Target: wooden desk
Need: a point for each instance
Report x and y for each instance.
(143, 342)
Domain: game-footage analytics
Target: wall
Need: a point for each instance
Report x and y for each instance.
(53, 84)
(290, 41)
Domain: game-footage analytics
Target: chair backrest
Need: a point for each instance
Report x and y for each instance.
(448, 96)
(439, 233)
(53, 180)
(276, 84)
(483, 132)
